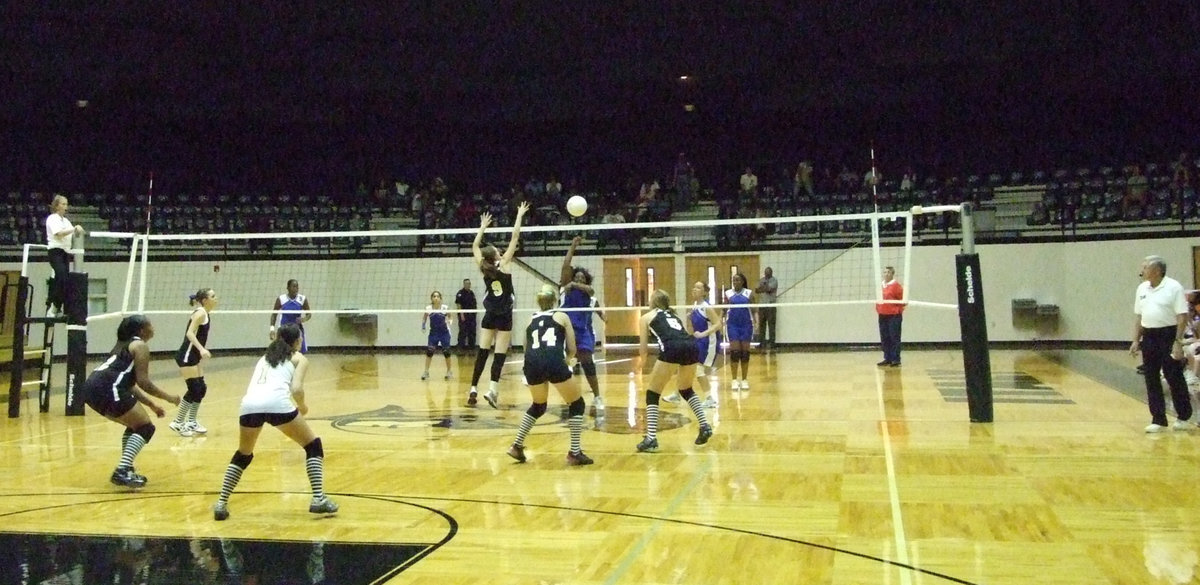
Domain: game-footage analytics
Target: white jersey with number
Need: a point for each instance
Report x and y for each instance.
(270, 390)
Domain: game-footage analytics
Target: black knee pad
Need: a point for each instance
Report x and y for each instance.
(429, 352)
(498, 365)
(146, 431)
(686, 393)
(314, 449)
(576, 408)
(446, 352)
(128, 433)
(482, 353)
(195, 389)
(589, 368)
(536, 409)
(651, 398)
(240, 460)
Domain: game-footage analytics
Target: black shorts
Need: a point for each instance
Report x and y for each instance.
(497, 321)
(256, 420)
(541, 369)
(682, 353)
(185, 358)
(101, 399)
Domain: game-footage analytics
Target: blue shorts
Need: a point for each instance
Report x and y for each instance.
(585, 340)
(439, 339)
(740, 332)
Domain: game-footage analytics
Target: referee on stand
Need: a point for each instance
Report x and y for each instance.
(1160, 306)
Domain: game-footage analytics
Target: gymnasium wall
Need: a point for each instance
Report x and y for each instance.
(1091, 282)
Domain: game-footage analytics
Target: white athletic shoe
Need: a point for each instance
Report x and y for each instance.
(1183, 425)
(735, 385)
(197, 427)
(492, 397)
(598, 402)
(184, 429)
(447, 375)
(1155, 428)
(710, 402)
(745, 385)
(673, 398)
(425, 375)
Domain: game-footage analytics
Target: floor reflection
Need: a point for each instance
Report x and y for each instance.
(40, 559)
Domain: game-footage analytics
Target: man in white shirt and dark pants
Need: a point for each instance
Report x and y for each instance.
(1161, 309)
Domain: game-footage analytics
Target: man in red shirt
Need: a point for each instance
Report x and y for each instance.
(891, 315)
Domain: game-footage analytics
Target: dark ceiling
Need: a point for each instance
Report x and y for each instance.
(244, 94)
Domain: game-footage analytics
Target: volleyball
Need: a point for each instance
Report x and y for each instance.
(576, 205)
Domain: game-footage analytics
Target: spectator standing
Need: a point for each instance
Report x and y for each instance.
(1161, 310)
(766, 289)
(891, 317)
(683, 183)
(748, 184)
(464, 301)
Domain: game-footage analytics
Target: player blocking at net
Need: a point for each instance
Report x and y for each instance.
(575, 282)
(549, 343)
(498, 297)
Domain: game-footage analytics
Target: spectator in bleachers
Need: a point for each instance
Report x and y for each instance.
(847, 181)
(612, 215)
(554, 192)
(383, 198)
(683, 183)
(871, 179)
(803, 183)
(1181, 173)
(748, 184)
(1135, 190)
(909, 181)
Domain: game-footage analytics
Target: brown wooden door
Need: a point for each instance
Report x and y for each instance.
(717, 271)
(628, 282)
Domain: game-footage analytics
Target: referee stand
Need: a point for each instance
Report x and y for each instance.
(74, 317)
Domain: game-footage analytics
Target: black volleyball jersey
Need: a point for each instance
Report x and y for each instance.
(116, 374)
(667, 328)
(185, 349)
(499, 297)
(545, 337)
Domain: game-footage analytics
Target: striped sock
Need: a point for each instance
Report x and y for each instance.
(233, 474)
(182, 414)
(527, 421)
(698, 409)
(193, 408)
(132, 446)
(575, 423)
(315, 467)
(125, 437)
(652, 421)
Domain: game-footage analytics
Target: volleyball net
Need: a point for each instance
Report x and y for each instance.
(383, 279)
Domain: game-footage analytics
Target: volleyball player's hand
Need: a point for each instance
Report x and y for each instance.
(158, 410)
(522, 208)
(173, 399)
(204, 353)
(485, 220)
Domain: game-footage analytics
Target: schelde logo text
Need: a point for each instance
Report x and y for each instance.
(970, 280)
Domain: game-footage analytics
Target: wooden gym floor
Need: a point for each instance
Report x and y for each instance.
(828, 470)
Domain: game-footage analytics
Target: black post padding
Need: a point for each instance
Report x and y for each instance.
(76, 307)
(18, 348)
(76, 302)
(977, 363)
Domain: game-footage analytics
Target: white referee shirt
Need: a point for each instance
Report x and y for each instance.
(1159, 305)
(270, 390)
(56, 223)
